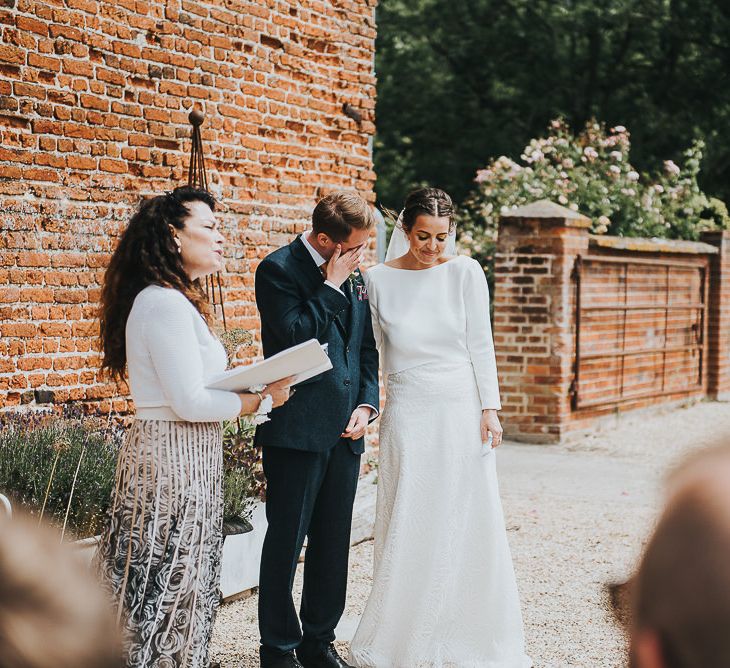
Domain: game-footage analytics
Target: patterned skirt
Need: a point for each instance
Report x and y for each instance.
(161, 552)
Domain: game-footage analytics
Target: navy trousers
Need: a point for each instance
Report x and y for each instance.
(307, 494)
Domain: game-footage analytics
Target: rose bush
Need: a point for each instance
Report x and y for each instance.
(591, 172)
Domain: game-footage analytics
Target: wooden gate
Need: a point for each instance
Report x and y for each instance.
(640, 329)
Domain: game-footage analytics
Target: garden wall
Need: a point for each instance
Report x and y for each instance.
(588, 326)
(94, 103)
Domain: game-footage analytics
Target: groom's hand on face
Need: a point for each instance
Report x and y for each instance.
(341, 265)
(358, 423)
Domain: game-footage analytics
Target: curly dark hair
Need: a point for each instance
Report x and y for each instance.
(146, 255)
(427, 202)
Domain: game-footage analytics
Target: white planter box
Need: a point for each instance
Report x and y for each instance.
(5, 506)
(242, 556)
(86, 548)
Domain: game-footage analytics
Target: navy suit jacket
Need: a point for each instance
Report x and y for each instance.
(295, 306)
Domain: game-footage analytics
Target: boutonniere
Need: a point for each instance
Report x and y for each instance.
(354, 279)
(356, 283)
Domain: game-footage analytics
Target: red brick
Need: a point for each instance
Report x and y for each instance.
(115, 166)
(20, 329)
(34, 363)
(32, 25)
(93, 102)
(79, 68)
(44, 62)
(32, 259)
(29, 90)
(11, 54)
(86, 167)
(80, 162)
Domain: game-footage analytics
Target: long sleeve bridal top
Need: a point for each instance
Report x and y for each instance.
(440, 313)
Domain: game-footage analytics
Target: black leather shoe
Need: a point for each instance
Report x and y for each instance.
(288, 660)
(325, 658)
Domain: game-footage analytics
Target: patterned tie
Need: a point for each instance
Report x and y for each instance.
(323, 270)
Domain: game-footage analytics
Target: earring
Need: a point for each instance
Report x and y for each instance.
(178, 244)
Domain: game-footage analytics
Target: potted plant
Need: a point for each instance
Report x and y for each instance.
(244, 516)
(61, 468)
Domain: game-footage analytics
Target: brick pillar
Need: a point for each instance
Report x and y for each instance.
(533, 317)
(718, 331)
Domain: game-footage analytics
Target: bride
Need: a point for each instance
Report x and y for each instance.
(444, 590)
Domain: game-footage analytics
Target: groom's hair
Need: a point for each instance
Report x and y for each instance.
(341, 211)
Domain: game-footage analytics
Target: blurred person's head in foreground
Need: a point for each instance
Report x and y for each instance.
(53, 613)
(679, 599)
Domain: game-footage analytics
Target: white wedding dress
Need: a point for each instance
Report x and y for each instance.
(444, 590)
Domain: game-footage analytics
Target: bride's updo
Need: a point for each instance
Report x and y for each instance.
(428, 202)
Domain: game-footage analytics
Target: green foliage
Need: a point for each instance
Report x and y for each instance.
(243, 477)
(591, 172)
(243, 480)
(41, 448)
(463, 80)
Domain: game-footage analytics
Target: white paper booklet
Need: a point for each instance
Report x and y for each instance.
(302, 361)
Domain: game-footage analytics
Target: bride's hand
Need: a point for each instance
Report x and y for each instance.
(490, 424)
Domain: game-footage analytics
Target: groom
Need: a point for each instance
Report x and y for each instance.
(312, 445)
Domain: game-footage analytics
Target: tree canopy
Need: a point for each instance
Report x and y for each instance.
(463, 81)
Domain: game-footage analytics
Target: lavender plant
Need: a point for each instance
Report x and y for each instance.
(60, 466)
(243, 478)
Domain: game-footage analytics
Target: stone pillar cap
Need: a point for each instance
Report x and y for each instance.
(547, 210)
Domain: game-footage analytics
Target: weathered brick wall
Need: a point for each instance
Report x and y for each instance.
(533, 308)
(719, 320)
(94, 100)
(643, 356)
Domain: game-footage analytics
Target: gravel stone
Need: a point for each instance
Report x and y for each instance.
(577, 517)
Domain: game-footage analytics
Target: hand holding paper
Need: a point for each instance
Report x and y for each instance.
(279, 391)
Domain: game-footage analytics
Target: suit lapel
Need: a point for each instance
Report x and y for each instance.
(340, 324)
(354, 311)
(314, 275)
(309, 269)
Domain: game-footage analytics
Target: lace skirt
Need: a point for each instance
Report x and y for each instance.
(160, 554)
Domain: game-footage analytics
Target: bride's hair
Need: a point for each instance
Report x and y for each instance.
(427, 202)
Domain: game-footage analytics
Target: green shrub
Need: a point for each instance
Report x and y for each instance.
(243, 481)
(590, 172)
(61, 465)
(64, 466)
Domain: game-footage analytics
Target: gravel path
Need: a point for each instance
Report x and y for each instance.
(577, 516)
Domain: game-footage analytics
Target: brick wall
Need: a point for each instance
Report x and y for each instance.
(719, 320)
(533, 306)
(565, 365)
(94, 100)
